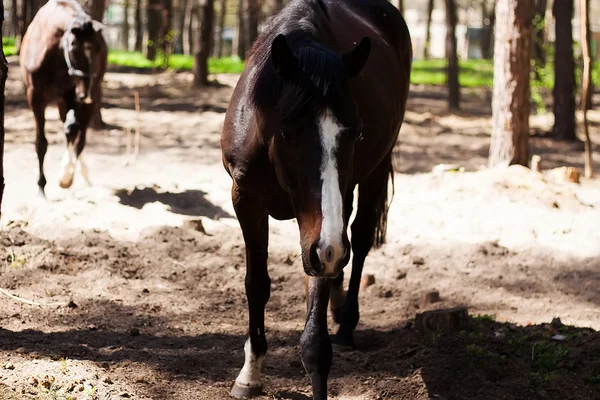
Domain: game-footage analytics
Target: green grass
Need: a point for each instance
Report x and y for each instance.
(179, 62)
(9, 44)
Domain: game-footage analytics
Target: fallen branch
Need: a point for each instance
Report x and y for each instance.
(30, 302)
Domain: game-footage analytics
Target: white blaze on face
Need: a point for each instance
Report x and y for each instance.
(330, 249)
(250, 374)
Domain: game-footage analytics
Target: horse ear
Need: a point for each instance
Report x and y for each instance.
(355, 60)
(284, 61)
(98, 26)
(77, 31)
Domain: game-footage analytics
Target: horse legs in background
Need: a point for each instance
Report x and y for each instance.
(75, 121)
(38, 106)
(254, 222)
(364, 227)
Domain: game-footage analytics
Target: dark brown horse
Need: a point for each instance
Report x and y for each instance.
(63, 59)
(316, 113)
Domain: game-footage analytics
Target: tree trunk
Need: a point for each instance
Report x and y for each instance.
(564, 69)
(139, 27)
(3, 76)
(154, 28)
(192, 28)
(587, 78)
(180, 22)
(242, 39)
(488, 33)
(510, 104)
(166, 36)
(590, 92)
(125, 26)
(219, 47)
(97, 10)
(430, 4)
(252, 25)
(539, 37)
(14, 18)
(452, 56)
(205, 41)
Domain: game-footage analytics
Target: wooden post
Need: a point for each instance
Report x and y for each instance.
(587, 61)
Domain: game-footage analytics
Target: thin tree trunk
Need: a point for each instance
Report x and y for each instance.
(590, 101)
(252, 24)
(510, 104)
(430, 5)
(205, 41)
(125, 26)
(219, 46)
(139, 27)
(488, 33)
(564, 69)
(452, 56)
(165, 32)
(154, 28)
(97, 10)
(539, 37)
(242, 39)
(14, 18)
(180, 18)
(3, 76)
(587, 78)
(192, 28)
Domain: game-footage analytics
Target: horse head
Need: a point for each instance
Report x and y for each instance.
(82, 46)
(313, 126)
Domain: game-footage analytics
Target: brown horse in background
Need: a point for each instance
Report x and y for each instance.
(63, 59)
(316, 114)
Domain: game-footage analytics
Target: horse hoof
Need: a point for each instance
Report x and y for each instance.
(245, 392)
(66, 183)
(42, 195)
(343, 342)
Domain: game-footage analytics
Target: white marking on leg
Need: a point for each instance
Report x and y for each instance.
(250, 374)
(84, 170)
(330, 244)
(68, 167)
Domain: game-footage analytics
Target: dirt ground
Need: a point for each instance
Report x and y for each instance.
(140, 276)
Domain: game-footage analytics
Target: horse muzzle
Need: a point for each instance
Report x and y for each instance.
(327, 259)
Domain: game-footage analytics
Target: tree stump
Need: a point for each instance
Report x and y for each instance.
(452, 319)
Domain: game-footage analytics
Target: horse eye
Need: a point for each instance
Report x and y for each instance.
(285, 135)
(360, 136)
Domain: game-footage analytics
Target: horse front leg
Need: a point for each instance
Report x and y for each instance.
(254, 221)
(38, 106)
(315, 345)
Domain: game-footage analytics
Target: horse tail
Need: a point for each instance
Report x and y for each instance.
(382, 204)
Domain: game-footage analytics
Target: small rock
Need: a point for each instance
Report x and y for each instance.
(79, 388)
(134, 332)
(428, 298)
(367, 280)
(145, 291)
(9, 365)
(124, 394)
(21, 350)
(92, 327)
(195, 224)
(106, 379)
(451, 319)
(401, 275)
(388, 294)
(71, 304)
(47, 381)
(559, 337)
(33, 381)
(418, 261)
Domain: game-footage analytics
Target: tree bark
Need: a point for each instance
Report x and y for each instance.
(587, 78)
(125, 26)
(205, 41)
(180, 18)
(590, 102)
(452, 56)
(219, 47)
(564, 69)
(14, 18)
(166, 36)
(97, 9)
(139, 27)
(510, 103)
(3, 76)
(242, 36)
(430, 4)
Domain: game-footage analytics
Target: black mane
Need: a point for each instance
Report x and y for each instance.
(320, 75)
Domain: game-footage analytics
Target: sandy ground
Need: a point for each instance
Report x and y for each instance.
(129, 256)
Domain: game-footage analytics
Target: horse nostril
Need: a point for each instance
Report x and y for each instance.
(81, 96)
(329, 252)
(315, 261)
